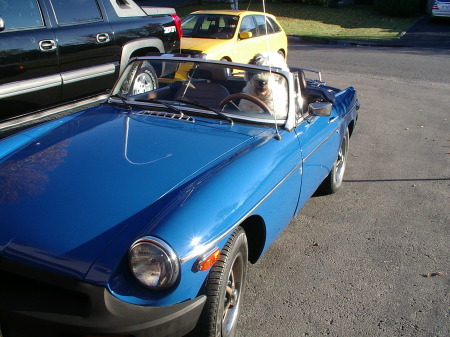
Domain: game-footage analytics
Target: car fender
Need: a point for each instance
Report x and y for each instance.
(140, 47)
(15, 142)
(198, 217)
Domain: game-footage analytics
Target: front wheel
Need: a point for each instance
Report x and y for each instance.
(334, 179)
(224, 288)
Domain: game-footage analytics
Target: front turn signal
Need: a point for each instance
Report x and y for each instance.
(207, 261)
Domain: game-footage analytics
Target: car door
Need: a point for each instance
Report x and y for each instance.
(266, 34)
(264, 37)
(29, 66)
(86, 47)
(320, 139)
(247, 47)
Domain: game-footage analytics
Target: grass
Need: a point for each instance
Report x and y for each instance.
(351, 22)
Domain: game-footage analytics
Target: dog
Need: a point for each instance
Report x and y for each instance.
(268, 87)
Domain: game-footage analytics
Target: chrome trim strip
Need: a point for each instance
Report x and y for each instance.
(337, 129)
(323, 142)
(199, 250)
(73, 76)
(45, 82)
(27, 86)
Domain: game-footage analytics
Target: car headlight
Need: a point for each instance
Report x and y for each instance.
(154, 263)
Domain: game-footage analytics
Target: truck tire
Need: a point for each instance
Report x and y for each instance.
(142, 79)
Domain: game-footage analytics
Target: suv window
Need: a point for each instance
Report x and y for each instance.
(18, 14)
(76, 11)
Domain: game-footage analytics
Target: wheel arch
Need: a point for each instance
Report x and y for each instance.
(255, 229)
(350, 127)
(140, 47)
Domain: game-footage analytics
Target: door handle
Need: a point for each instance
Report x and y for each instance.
(332, 119)
(103, 38)
(47, 45)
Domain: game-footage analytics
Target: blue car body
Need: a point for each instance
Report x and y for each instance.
(76, 192)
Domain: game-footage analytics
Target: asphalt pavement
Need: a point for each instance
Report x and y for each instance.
(427, 33)
(371, 260)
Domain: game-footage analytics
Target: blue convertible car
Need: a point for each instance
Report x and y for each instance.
(138, 217)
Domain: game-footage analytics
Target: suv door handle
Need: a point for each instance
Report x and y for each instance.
(47, 45)
(103, 38)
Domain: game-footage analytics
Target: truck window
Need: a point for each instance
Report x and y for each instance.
(76, 11)
(18, 14)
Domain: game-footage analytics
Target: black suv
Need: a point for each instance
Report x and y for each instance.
(56, 51)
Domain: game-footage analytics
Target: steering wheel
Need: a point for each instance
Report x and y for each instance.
(247, 97)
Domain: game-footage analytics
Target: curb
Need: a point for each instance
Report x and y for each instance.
(355, 43)
(396, 42)
(400, 35)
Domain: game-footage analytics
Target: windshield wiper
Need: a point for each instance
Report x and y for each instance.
(167, 105)
(216, 111)
(122, 99)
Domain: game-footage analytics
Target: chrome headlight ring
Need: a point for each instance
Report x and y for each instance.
(153, 263)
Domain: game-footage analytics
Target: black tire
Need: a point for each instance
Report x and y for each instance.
(224, 288)
(334, 180)
(142, 79)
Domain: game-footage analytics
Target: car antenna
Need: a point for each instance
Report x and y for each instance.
(277, 132)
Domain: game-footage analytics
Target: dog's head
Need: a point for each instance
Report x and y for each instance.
(269, 59)
(264, 83)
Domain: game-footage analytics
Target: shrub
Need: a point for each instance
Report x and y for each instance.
(397, 7)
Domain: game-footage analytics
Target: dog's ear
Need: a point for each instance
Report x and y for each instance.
(253, 60)
(248, 75)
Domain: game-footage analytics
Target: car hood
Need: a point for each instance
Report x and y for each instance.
(202, 44)
(69, 192)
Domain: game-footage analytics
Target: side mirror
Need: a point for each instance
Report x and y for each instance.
(245, 35)
(2, 24)
(320, 109)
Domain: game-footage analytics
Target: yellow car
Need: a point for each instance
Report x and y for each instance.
(231, 35)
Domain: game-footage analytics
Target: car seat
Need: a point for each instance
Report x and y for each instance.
(204, 86)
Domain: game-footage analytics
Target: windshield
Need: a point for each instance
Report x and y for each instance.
(209, 26)
(214, 88)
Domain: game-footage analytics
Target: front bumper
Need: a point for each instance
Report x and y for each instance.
(36, 303)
